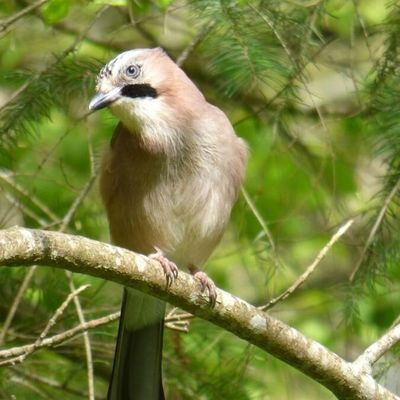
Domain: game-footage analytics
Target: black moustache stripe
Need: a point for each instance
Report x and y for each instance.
(139, 90)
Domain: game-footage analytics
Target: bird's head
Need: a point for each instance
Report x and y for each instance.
(143, 85)
(128, 76)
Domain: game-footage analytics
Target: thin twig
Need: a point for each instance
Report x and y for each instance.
(83, 33)
(271, 25)
(184, 327)
(287, 86)
(259, 218)
(49, 382)
(60, 337)
(71, 30)
(86, 339)
(25, 210)
(363, 27)
(194, 43)
(297, 65)
(52, 321)
(64, 223)
(9, 211)
(16, 302)
(31, 387)
(77, 202)
(375, 228)
(59, 312)
(377, 349)
(6, 178)
(14, 18)
(57, 339)
(78, 306)
(173, 316)
(178, 321)
(16, 93)
(53, 148)
(72, 210)
(63, 226)
(341, 231)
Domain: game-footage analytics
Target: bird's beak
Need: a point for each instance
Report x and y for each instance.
(101, 100)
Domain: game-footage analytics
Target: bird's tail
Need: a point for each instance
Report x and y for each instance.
(136, 373)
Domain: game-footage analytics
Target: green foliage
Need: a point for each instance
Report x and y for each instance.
(250, 46)
(40, 93)
(312, 86)
(382, 253)
(55, 10)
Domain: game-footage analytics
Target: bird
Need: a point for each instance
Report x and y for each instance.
(169, 179)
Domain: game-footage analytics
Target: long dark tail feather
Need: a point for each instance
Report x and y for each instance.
(136, 373)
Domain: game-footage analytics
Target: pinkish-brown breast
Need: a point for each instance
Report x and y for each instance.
(181, 205)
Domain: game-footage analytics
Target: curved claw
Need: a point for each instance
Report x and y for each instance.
(170, 268)
(207, 283)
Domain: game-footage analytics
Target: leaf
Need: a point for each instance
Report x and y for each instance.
(164, 4)
(55, 10)
(113, 3)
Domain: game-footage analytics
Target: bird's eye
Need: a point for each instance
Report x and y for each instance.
(132, 71)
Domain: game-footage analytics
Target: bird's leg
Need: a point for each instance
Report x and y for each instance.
(170, 268)
(206, 283)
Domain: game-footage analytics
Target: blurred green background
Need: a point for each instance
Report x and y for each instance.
(312, 86)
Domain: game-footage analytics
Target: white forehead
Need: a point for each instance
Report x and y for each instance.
(130, 56)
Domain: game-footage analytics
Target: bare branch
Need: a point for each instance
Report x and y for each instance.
(86, 339)
(61, 337)
(6, 178)
(377, 349)
(24, 210)
(259, 218)
(83, 33)
(63, 226)
(64, 27)
(31, 387)
(56, 340)
(375, 228)
(77, 202)
(17, 16)
(16, 93)
(178, 320)
(194, 43)
(52, 321)
(28, 277)
(17, 300)
(48, 382)
(342, 230)
(59, 312)
(20, 246)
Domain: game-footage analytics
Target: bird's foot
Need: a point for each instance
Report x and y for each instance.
(206, 283)
(170, 268)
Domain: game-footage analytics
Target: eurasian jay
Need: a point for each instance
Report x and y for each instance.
(168, 181)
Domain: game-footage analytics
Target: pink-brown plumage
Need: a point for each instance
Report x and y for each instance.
(168, 181)
(175, 194)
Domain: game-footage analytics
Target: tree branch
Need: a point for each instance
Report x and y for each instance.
(174, 321)
(311, 268)
(379, 348)
(52, 321)
(374, 229)
(20, 246)
(17, 16)
(60, 337)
